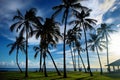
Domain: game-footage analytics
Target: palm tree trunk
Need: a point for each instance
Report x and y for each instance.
(107, 54)
(17, 61)
(87, 51)
(78, 63)
(72, 59)
(101, 71)
(40, 63)
(64, 55)
(82, 61)
(26, 71)
(45, 72)
(54, 64)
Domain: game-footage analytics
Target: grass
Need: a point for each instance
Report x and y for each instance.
(54, 76)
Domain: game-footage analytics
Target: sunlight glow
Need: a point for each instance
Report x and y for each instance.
(114, 46)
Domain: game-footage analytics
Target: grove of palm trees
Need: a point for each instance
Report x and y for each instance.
(81, 35)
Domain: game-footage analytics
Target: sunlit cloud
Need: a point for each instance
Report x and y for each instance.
(99, 9)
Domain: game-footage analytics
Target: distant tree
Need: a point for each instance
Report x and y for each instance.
(104, 32)
(24, 24)
(19, 44)
(83, 21)
(37, 50)
(73, 39)
(70, 38)
(66, 6)
(95, 44)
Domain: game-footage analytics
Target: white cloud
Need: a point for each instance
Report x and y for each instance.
(99, 9)
(113, 9)
(110, 20)
(118, 25)
(33, 40)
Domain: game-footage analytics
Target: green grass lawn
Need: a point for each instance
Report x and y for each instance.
(54, 76)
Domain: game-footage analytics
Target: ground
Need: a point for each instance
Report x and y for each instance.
(54, 76)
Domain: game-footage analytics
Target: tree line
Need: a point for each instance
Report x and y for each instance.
(48, 33)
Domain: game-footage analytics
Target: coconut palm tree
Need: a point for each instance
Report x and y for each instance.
(79, 49)
(37, 50)
(104, 32)
(49, 34)
(70, 41)
(19, 44)
(86, 23)
(24, 24)
(66, 6)
(95, 44)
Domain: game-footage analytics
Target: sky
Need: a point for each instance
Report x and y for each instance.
(104, 11)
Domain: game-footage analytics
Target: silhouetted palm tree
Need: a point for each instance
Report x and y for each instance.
(49, 33)
(79, 48)
(95, 44)
(19, 44)
(37, 50)
(104, 32)
(24, 24)
(85, 23)
(70, 38)
(66, 6)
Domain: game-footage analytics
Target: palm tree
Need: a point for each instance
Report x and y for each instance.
(49, 34)
(95, 44)
(85, 23)
(38, 50)
(24, 24)
(73, 37)
(104, 32)
(79, 48)
(66, 6)
(19, 44)
(70, 40)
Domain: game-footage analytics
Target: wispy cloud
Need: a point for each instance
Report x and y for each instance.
(99, 8)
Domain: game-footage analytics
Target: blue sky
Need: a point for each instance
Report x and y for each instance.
(103, 11)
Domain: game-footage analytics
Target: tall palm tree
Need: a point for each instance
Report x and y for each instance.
(49, 34)
(24, 24)
(19, 44)
(95, 44)
(83, 21)
(104, 32)
(66, 6)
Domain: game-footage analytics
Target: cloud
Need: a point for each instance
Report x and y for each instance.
(99, 8)
(118, 25)
(110, 20)
(113, 9)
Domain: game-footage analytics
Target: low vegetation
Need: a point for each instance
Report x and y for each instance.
(54, 76)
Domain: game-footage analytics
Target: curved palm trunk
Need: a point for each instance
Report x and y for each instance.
(72, 59)
(78, 63)
(107, 54)
(82, 61)
(87, 51)
(45, 72)
(101, 71)
(17, 61)
(54, 64)
(64, 55)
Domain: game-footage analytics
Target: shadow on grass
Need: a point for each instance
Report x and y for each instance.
(113, 75)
